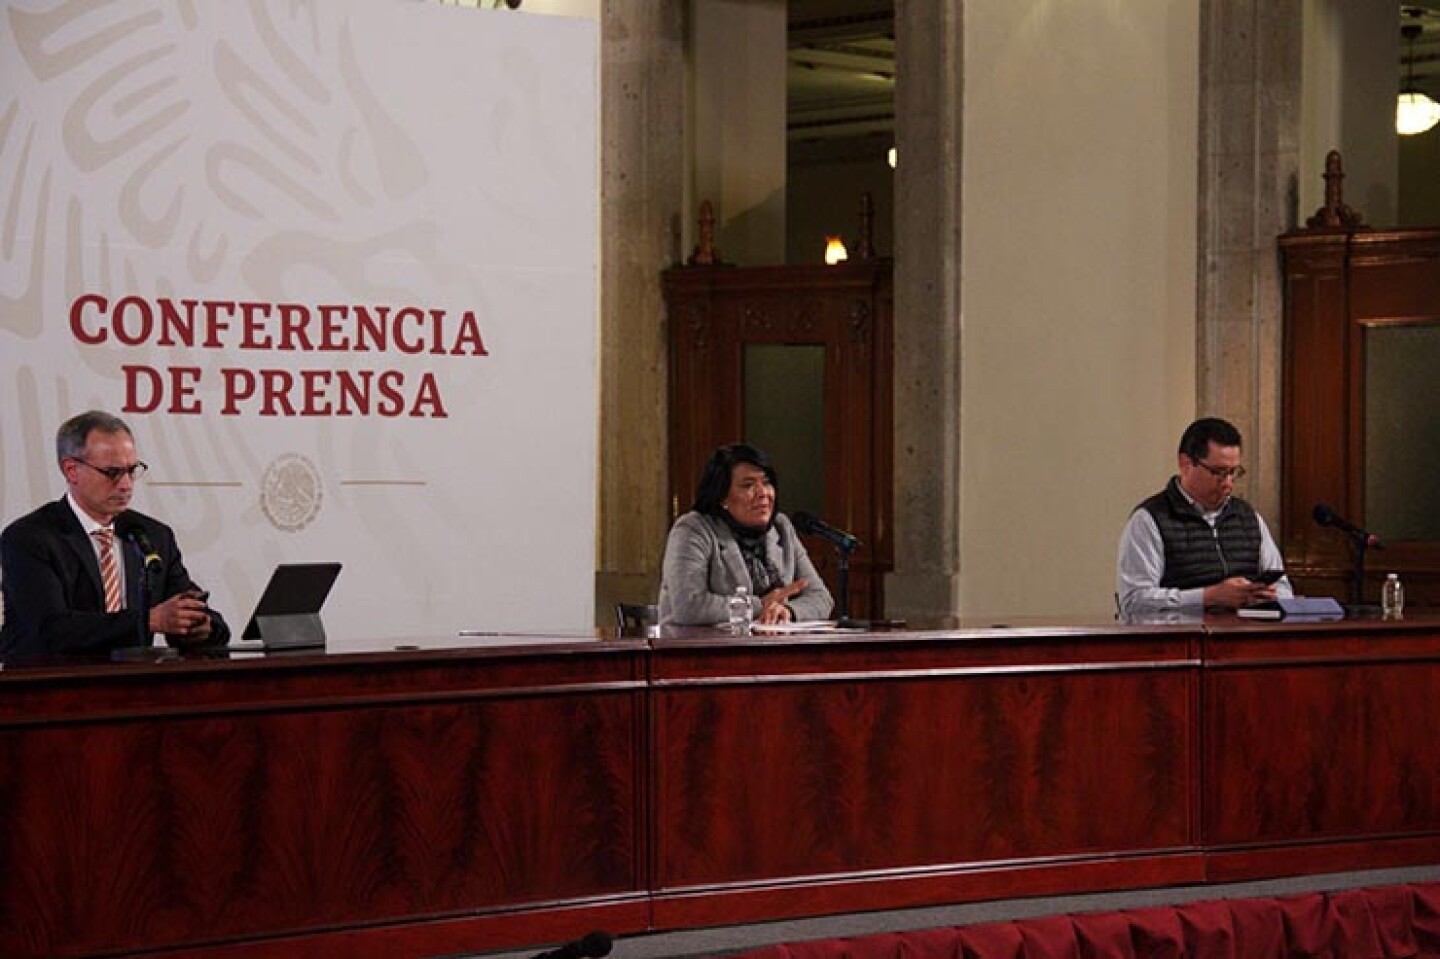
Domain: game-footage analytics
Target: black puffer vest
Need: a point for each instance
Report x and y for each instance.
(1195, 554)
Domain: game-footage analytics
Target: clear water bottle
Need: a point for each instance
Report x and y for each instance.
(1392, 598)
(741, 615)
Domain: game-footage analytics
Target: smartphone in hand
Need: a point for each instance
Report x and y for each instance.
(1267, 576)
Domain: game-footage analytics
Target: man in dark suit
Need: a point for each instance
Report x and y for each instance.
(87, 574)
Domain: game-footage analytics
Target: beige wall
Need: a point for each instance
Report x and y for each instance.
(1078, 333)
(736, 121)
(1350, 51)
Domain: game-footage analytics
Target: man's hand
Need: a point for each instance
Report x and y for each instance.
(1237, 591)
(772, 604)
(183, 618)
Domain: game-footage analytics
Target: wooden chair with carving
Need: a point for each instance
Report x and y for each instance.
(641, 618)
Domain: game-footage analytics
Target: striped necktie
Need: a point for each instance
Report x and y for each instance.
(109, 568)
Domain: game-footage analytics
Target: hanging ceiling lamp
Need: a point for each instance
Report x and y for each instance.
(1414, 111)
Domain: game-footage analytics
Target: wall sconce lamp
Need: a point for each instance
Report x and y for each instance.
(835, 250)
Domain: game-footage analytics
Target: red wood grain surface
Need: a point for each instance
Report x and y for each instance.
(454, 799)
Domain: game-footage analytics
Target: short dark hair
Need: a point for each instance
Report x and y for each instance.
(1196, 440)
(70, 438)
(714, 483)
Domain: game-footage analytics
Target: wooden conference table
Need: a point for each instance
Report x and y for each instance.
(442, 796)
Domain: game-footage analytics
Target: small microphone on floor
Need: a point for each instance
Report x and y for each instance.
(591, 946)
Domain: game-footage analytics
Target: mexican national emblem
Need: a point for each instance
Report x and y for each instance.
(290, 492)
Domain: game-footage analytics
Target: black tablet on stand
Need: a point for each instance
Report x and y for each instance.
(288, 613)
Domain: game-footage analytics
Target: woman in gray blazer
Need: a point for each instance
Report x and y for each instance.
(731, 537)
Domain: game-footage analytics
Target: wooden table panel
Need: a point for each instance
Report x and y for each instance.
(171, 829)
(1322, 734)
(463, 797)
(785, 779)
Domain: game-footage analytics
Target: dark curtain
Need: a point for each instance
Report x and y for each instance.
(1394, 922)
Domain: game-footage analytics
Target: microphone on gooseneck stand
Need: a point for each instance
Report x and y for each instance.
(1326, 516)
(1360, 540)
(592, 946)
(845, 544)
(150, 562)
(812, 524)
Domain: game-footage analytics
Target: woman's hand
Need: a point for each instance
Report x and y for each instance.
(772, 604)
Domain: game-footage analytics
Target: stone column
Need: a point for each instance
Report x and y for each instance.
(1250, 94)
(928, 101)
(642, 93)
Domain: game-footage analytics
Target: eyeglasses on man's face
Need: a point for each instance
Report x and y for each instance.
(1221, 473)
(114, 473)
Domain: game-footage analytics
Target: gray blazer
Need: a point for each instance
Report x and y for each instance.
(703, 566)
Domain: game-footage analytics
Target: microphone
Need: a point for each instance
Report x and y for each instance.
(806, 523)
(135, 534)
(592, 946)
(1326, 516)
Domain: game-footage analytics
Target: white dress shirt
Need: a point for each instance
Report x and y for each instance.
(90, 526)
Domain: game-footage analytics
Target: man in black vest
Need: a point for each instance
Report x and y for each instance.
(1194, 545)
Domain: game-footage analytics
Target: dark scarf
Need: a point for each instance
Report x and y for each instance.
(751, 540)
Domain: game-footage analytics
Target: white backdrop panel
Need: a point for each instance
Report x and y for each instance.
(384, 155)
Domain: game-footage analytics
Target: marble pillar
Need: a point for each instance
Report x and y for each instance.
(1250, 95)
(928, 100)
(642, 172)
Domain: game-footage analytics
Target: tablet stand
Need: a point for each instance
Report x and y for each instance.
(294, 631)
